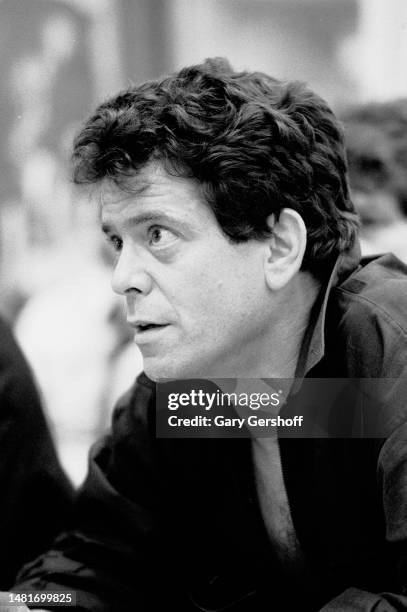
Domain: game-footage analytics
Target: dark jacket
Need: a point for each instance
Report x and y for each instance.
(35, 495)
(175, 524)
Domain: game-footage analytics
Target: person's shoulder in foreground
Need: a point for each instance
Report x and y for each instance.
(225, 197)
(36, 496)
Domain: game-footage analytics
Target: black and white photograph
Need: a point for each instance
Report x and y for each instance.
(203, 305)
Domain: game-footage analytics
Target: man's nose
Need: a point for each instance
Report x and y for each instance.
(130, 275)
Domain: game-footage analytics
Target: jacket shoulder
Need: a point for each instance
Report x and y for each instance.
(366, 322)
(377, 290)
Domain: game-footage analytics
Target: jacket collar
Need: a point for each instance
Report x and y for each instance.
(313, 346)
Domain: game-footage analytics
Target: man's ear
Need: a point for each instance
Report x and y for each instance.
(285, 248)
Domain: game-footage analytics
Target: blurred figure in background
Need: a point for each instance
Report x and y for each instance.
(35, 495)
(376, 137)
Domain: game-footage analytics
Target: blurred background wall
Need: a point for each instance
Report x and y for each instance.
(58, 58)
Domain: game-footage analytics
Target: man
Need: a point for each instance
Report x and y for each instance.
(225, 197)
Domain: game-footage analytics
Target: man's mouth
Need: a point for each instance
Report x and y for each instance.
(142, 327)
(146, 330)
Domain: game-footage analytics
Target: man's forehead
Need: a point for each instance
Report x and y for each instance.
(147, 181)
(152, 189)
(152, 180)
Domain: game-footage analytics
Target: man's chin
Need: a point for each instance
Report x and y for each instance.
(159, 371)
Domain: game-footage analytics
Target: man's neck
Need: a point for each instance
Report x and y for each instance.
(287, 333)
(274, 351)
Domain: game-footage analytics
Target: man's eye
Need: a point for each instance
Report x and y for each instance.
(160, 236)
(116, 243)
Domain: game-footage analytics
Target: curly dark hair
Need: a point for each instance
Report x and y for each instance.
(376, 142)
(255, 144)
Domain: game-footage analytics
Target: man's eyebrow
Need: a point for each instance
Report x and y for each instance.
(150, 217)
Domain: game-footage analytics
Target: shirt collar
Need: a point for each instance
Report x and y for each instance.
(313, 346)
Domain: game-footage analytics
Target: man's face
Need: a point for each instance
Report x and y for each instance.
(199, 304)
